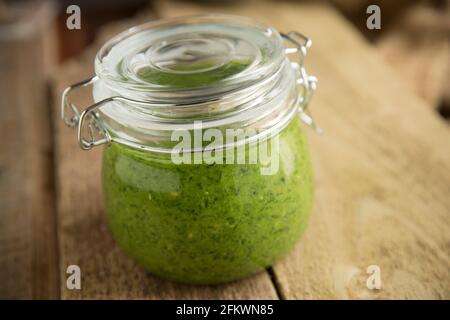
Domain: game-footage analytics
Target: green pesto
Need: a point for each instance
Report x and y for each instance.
(190, 80)
(207, 223)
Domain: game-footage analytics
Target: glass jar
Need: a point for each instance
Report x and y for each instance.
(206, 172)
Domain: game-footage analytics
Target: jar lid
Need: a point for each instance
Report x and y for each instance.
(227, 72)
(190, 59)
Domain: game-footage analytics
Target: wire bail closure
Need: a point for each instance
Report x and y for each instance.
(307, 83)
(90, 132)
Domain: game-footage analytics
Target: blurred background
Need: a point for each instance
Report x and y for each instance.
(35, 42)
(414, 37)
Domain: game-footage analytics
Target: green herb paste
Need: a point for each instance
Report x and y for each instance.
(207, 223)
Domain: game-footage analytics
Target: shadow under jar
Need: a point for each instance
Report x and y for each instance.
(206, 171)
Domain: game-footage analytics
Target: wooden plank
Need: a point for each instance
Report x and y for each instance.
(84, 237)
(28, 255)
(382, 169)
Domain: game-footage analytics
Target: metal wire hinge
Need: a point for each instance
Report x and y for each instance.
(306, 82)
(90, 132)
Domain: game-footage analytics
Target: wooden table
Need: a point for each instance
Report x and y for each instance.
(382, 171)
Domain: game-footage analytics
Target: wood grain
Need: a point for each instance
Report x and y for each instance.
(382, 169)
(84, 237)
(28, 259)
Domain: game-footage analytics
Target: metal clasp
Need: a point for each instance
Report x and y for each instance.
(91, 133)
(307, 83)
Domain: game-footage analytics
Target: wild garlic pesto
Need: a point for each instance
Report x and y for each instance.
(207, 223)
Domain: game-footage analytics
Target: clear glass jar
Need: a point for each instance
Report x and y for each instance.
(206, 172)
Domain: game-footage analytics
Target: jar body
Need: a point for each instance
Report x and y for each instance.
(207, 223)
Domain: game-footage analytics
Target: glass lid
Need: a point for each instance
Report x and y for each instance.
(194, 57)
